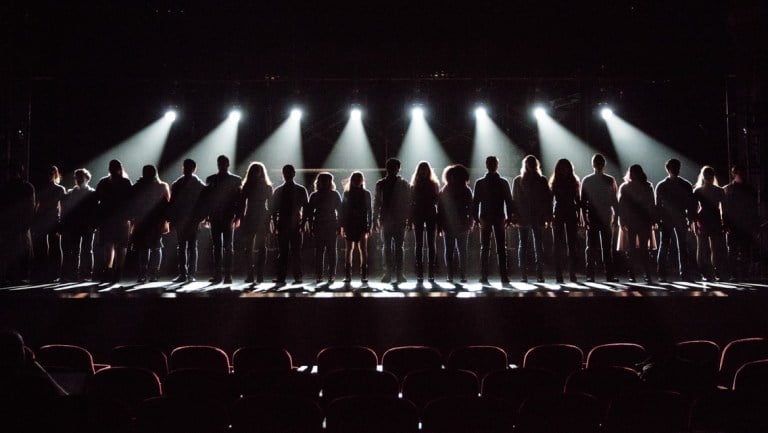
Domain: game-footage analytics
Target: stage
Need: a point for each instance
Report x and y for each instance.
(305, 318)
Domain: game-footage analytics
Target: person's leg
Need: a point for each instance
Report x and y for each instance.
(155, 259)
(56, 256)
(485, 249)
(69, 263)
(86, 255)
(399, 239)
(560, 246)
(228, 234)
(217, 233)
(283, 250)
(295, 251)
(571, 232)
(331, 253)
(633, 253)
(182, 247)
(500, 233)
(387, 239)
(718, 255)
(431, 249)
(462, 240)
(260, 251)
(644, 237)
(593, 249)
(665, 235)
(522, 251)
(418, 232)
(320, 245)
(538, 251)
(450, 247)
(142, 254)
(349, 252)
(363, 247)
(703, 255)
(681, 237)
(605, 235)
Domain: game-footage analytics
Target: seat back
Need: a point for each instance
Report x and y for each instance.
(279, 383)
(604, 383)
(261, 358)
(480, 360)
(276, 414)
(629, 355)
(199, 384)
(647, 411)
(344, 357)
(70, 366)
(344, 383)
(372, 414)
(199, 357)
(560, 359)
(403, 360)
(423, 386)
(517, 384)
(468, 414)
(125, 384)
(698, 351)
(559, 412)
(145, 357)
(739, 352)
(752, 378)
(179, 415)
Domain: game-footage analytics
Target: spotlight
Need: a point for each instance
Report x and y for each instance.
(539, 112)
(296, 113)
(235, 115)
(480, 112)
(355, 114)
(606, 113)
(170, 115)
(417, 112)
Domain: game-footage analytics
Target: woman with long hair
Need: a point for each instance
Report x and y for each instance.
(565, 187)
(255, 195)
(356, 219)
(46, 238)
(323, 218)
(425, 189)
(710, 240)
(636, 217)
(454, 215)
(150, 200)
(533, 199)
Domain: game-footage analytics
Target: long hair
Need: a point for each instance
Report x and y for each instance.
(707, 177)
(149, 174)
(530, 166)
(563, 176)
(456, 175)
(424, 173)
(324, 181)
(55, 174)
(355, 180)
(256, 175)
(635, 173)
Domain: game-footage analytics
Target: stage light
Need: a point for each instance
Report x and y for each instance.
(355, 114)
(539, 112)
(606, 113)
(417, 112)
(170, 115)
(481, 112)
(235, 115)
(296, 113)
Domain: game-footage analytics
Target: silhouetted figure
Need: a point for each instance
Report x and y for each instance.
(78, 210)
(322, 214)
(222, 204)
(184, 216)
(113, 193)
(533, 201)
(256, 194)
(424, 193)
(676, 208)
(16, 212)
(288, 202)
(741, 219)
(493, 210)
(454, 213)
(565, 190)
(150, 203)
(356, 218)
(391, 208)
(22, 380)
(637, 216)
(600, 206)
(710, 241)
(46, 236)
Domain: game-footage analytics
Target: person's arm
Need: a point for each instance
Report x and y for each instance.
(509, 203)
(368, 212)
(476, 201)
(377, 205)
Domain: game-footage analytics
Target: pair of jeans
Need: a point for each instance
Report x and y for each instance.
(599, 240)
(421, 228)
(538, 249)
(667, 235)
(392, 236)
(456, 243)
(289, 249)
(564, 233)
(497, 228)
(78, 254)
(186, 250)
(221, 241)
(325, 246)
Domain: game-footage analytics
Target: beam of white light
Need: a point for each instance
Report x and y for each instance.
(421, 144)
(170, 115)
(355, 114)
(539, 112)
(480, 112)
(417, 112)
(606, 113)
(235, 115)
(296, 114)
(282, 147)
(144, 147)
(222, 140)
(491, 140)
(634, 146)
(351, 152)
(558, 142)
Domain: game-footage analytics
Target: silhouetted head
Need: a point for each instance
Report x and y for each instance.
(456, 175)
(564, 174)
(149, 172)
(636, 174)
(598, 162)
(115, 168)
(492, 164)
(738, 172)
(530, 166)
(257, 172)
(54, 175)
(82, 177)
(11, 349)
(222, 162)
(357, 180)
(289, 172)
(423, 173)
(706, 176)
(393, 166)
(673, 167)
(188, 167)
(324, 182)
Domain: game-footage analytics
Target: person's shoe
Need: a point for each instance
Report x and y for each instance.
(180, 278)
(559, 280)
(364, 274)
(591, 279)
(298, 281)
(574, 279)
(524, 279)
(401, 278)
(631, 279)
(449, 279)
(463, 280)
(153, 279)
(249, 279)
(484, 280)
(331, 279)
(191, 279)
(216, 279)
(228, 279)
(386, 278)
(505, 280)
(259, 278)
(318, 280)
(141, 280)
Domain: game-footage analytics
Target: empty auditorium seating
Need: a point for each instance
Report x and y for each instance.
(199, 384)
(406, 359)
(560, 359)
(261, 358)
(348, 382)
(629, 355)
(278, 383)
(739, 352)
(604, 383)
(468, 415)
(517, 384)
(125, 384)
(423, 386)
(372, 414)
(647, 411)
(340, 357)
(698, 351)
(138, 356)
(180, 415)
(199, 357)
(71, 366)
(480, 360)
(276, 414)
(559, 412)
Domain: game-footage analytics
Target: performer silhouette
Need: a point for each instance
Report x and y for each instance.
(288, 203)
(113, 193)
(322, 215)
(78, 222)
(257, 192)
(599, 206)
(150, 202)
(565, 189)
(493, 210)
(636, 216)
(356, 217)
(184, 216)
(710, 241)
(222, 201)
(424, 192)
(391, 207)
(676, 208)
(46, 228)
(455, 220)
(740, 214)
(533, 200)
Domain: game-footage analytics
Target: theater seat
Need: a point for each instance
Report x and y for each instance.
(199, 357)
(372, 414)
(423, 386)
(406, 359)
(341, 357)
(480, 360)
